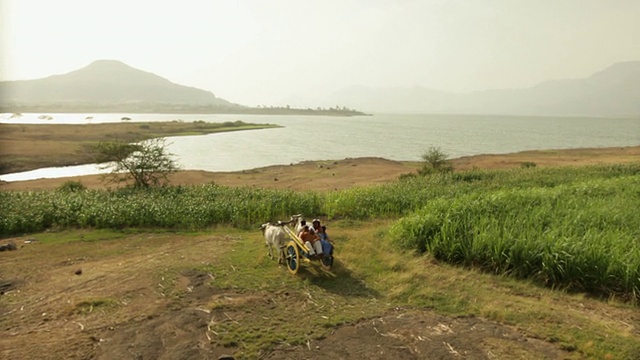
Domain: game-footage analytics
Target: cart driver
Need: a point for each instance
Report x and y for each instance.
(303, 224)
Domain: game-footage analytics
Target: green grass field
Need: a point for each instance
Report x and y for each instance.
(552, 252)
(572, 228)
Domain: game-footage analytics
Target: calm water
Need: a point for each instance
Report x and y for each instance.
(391, 136)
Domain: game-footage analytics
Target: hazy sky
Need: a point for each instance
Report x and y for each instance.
(269, 51)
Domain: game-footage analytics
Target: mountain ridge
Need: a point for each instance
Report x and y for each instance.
(106, 84)
(613, 91)
(113, 86)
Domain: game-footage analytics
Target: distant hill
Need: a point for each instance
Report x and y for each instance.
(107, 85)
(112, 86)
(614, 91)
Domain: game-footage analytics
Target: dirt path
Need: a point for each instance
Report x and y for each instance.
(413, 334)
(51, 312)
(140, 296)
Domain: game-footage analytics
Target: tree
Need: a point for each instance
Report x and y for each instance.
(147, 163)
(435, 160)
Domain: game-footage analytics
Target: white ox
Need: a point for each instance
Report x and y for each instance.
(275, 237)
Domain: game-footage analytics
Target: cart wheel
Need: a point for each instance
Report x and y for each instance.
(292, 257)
(327, 262)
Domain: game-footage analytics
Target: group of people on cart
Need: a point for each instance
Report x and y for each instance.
(315, 238)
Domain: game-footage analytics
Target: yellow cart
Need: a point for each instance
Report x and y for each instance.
(295, 253)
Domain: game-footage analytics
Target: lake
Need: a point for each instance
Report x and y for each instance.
(390, 136)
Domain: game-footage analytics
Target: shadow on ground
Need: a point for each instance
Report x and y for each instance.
(339, 280)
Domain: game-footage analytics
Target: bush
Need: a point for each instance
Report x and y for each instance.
(70, 186)
(406, 176)
(435, 161)
(145, 164)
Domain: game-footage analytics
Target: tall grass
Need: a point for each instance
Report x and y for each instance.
(207, 205)
(412, 193)
(583, 236)
(172, 207)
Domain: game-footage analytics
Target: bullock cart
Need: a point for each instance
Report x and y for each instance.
(296, 253)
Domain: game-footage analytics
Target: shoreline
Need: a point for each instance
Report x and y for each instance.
(327, 175)
(27, 147)
(194, 110)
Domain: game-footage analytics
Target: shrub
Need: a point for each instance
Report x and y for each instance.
(145, 164)
(406, 176)
(435, 161)
(70, 186)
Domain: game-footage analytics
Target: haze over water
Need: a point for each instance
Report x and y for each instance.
(390, 136)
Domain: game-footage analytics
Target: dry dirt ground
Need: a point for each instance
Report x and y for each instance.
(341, 174)
(413, 334)
(116, 308)
(139, 296)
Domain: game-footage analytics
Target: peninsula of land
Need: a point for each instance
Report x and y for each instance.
(27, 147)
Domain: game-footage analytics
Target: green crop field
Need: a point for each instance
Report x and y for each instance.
(571, 228)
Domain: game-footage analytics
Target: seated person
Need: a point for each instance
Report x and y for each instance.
(327, 243)
(322, 233)
(316, 225)
(303, 224)
(320, 230)
(311, 241)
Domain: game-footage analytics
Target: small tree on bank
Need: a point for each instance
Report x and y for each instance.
(144, 164)
(435, 161)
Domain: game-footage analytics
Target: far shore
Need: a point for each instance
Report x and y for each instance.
(341, 174)
(25, 147)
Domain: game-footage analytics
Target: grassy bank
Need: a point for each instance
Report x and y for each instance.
(582, 237)
(188, 207)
